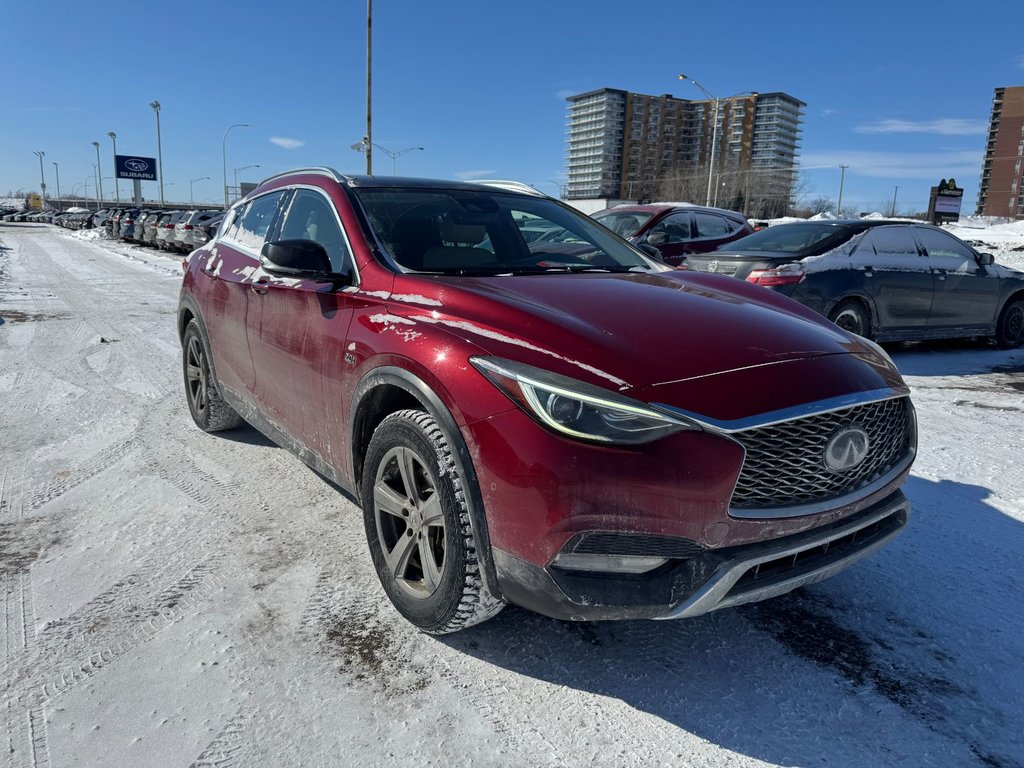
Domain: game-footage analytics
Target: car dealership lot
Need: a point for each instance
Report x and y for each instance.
(175, 599)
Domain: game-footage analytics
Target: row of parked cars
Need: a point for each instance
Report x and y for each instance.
(169, 230)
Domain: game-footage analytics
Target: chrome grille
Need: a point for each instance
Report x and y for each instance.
(785, 463)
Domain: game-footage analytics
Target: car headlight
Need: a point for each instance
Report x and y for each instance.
(577, 409)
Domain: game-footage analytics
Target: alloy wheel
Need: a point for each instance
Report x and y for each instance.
(195, 372)
(410, 522)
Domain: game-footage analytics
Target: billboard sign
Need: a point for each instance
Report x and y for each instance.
(945, 201)
(135, 167)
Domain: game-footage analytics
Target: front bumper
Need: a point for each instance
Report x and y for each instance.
(713, 579)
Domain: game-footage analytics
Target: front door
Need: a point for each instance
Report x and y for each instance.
(966, 293)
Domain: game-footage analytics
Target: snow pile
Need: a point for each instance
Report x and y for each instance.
(823, 216)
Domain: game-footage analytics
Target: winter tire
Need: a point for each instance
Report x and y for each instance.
(418, 526)
(852, 317)
(1010, 331)
(208, 409)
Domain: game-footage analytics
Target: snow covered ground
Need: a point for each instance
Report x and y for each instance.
(172, 598)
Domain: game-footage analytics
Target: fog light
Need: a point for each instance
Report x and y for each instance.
(572, 561)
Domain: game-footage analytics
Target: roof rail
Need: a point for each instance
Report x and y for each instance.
(511, 186)
(322, 170)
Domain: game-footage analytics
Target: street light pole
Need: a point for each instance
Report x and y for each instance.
(714, 129)
(191, 199)
(243, 168)
(159, 150)
(369, 61)
(893, 211)
(396, 153)
(224, 157)
(842, 178)
(42, 179)
(117, 189)
(56, 170)
(99, 176)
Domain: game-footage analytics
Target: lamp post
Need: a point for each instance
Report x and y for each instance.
(159, 151)
(191, 199)
(224, 157)
(243, 168)
(99, 179)
(714, 128)
(56, 170)
(96, 181)
(117, 189)
(842, 178)
(42, 178)
(369, 61)
(396, 153)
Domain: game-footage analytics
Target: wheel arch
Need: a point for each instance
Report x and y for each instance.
(388, 389)
(858, 298)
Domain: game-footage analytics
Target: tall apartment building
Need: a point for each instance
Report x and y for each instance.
(634, 146)
(1002, 173)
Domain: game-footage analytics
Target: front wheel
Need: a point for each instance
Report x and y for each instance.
(418, 527)
(852, 317)
(1010, 330)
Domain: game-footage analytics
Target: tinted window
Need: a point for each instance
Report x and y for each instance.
(311, 217)
(709, 225)
(799, 239)
(624, 223)
(893, 242)
(676, 227)
(255, 221)
(946, 248)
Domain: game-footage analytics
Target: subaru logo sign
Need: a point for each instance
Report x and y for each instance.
(134, 167)
(846, 449)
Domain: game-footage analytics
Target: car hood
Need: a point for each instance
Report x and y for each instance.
(623, 331)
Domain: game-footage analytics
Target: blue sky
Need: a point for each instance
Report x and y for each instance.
(899, 91)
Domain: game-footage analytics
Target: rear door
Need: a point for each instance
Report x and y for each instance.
(896, 276)
(223, 287)
(297, 333)
(710, 230)
(966, 294)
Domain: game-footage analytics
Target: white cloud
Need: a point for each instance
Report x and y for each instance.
(907, 165)
(946, 126)
(287, 143)
(828, 112)
(470, 175)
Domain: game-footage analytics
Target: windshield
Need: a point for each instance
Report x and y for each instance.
(469, 232)
(802, 239)
(624, 223)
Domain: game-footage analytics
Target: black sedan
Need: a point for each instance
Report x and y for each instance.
(881, 279)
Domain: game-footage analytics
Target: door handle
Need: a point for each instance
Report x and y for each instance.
(260, 286)
(869, 271)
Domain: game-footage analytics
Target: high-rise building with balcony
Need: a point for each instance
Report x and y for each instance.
(1002, 173)
(634, 146)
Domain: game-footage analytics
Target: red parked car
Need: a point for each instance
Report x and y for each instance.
(587, 433)
(675, 230)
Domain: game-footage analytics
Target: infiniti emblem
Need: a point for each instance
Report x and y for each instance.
(846, 449)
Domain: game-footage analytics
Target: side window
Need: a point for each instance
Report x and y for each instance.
(676, 227)
(891, 245)
(709, 225)
(255, 221)
(311, 217)
(229, 229)
(944, 251)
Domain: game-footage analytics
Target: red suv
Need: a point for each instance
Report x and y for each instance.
(675, 230)
(581, 431)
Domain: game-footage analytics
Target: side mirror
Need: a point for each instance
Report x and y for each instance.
(298, 259)
(657, 238)
(986, 259)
